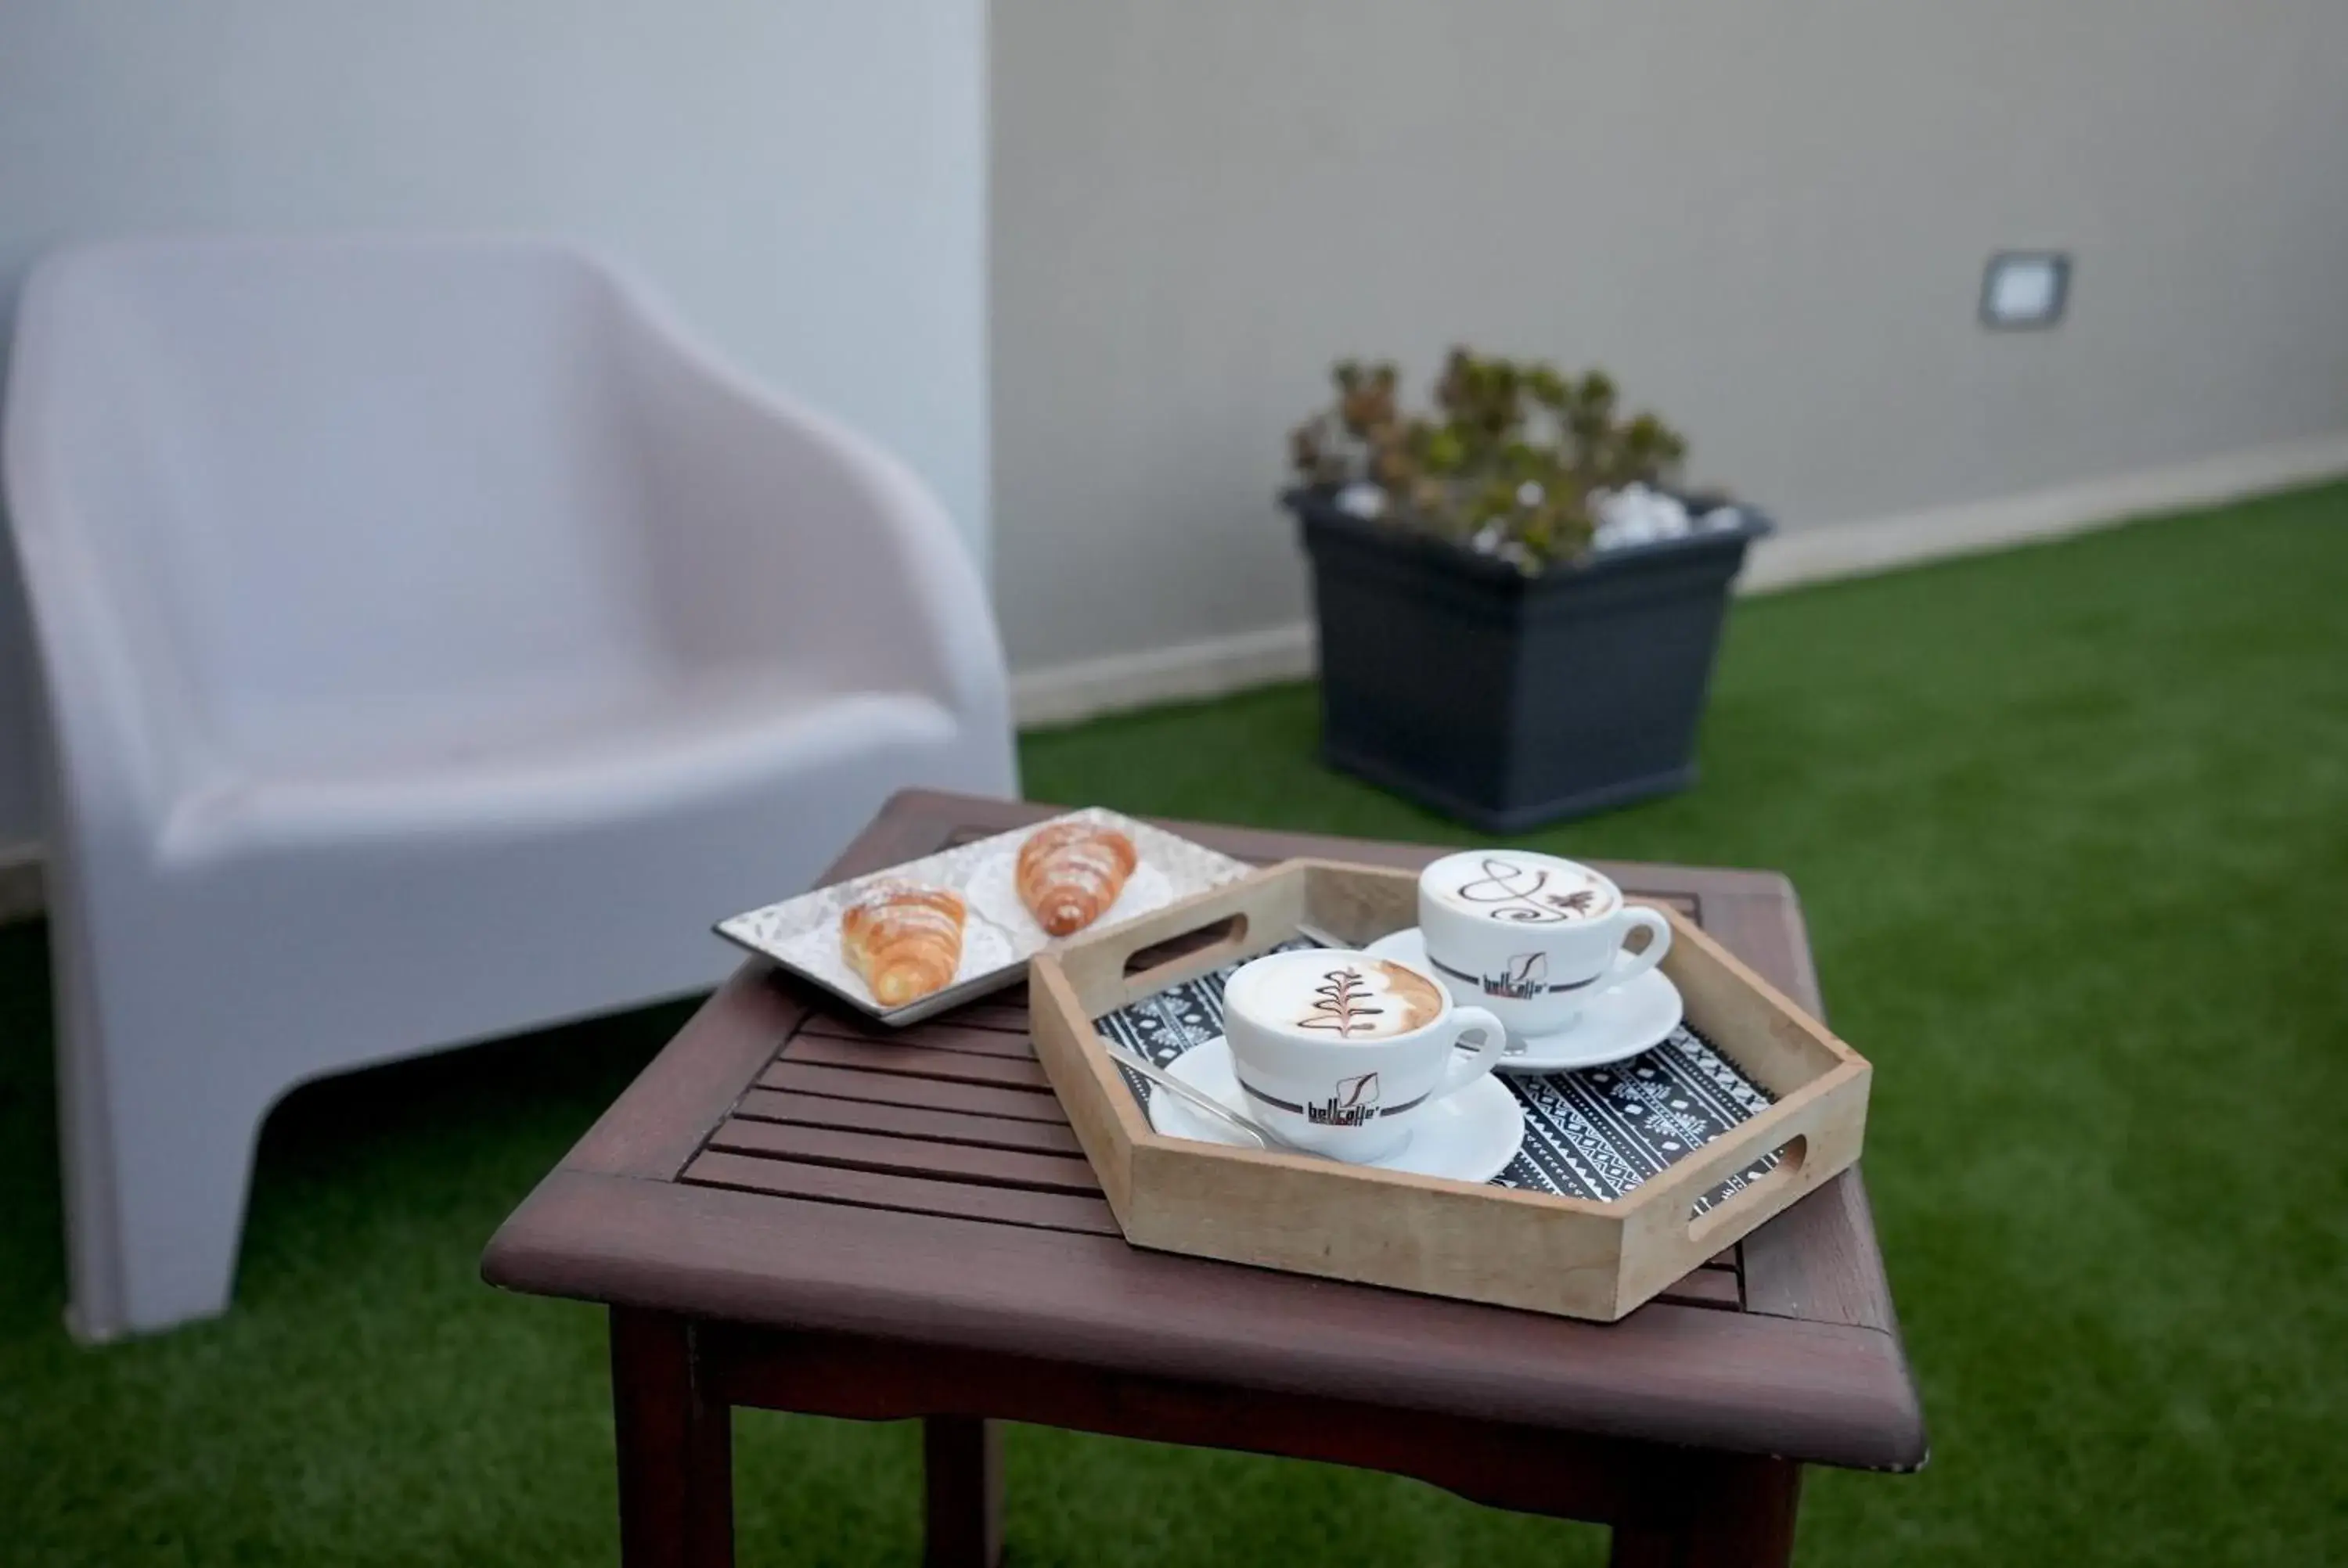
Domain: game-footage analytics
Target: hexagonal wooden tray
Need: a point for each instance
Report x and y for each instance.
(1570, 1257)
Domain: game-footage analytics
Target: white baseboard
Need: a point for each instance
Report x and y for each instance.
(1063, 693)
(21, 895)
(1938, 533)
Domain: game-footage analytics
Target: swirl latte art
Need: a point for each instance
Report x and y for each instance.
(1500, 889)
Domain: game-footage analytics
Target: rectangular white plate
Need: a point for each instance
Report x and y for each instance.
(802, 933)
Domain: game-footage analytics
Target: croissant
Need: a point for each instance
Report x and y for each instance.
(1071, 872)
(905, 940)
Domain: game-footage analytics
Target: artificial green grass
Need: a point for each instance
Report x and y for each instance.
(2071, 828)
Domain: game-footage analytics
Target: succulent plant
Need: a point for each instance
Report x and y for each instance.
(1507, 464)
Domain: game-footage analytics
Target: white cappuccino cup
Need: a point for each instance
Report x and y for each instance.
(1340, 1052)
(1530, 936)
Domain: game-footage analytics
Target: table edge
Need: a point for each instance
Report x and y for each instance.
(1849, 1402)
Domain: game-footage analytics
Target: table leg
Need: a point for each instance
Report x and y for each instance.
(962, 1467)
(1734, 1512)
(675, 1448)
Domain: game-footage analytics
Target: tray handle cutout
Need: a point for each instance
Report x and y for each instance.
(1219, 939)
(1702, 1227)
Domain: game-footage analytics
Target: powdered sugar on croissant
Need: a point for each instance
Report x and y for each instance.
(1071, 872)
(905, 939)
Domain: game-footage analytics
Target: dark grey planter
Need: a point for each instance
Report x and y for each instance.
(1508, 701)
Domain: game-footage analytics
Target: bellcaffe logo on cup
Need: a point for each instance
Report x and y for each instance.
(1338, 1052)
(1532, 936)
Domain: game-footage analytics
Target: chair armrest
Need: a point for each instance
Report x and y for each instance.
(125, 725)
(784, 536)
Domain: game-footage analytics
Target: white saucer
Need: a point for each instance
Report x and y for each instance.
(1469, 1136)
(1615, 1025)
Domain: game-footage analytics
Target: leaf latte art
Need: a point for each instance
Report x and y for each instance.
(1354, 998)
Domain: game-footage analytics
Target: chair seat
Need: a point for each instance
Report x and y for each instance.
(648, 751)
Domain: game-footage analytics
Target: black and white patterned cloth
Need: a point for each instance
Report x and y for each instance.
(1596, 1133)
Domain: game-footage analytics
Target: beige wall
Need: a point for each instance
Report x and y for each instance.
(1768, 217)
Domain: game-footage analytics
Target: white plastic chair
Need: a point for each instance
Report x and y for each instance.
(435, 643)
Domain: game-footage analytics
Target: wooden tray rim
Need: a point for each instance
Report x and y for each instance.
(1050, 986)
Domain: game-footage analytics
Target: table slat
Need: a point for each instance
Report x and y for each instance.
(946, 1033)
(912, 1195)
(889, 1089)
(907, 1156)
(1006, 1011)
(917, 1061)
(909, 1120)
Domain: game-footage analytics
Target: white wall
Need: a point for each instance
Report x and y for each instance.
(806, 178)
(1768, 217)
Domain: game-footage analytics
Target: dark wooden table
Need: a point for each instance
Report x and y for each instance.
(792, 1211)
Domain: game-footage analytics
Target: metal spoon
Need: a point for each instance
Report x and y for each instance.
(1199, 1099)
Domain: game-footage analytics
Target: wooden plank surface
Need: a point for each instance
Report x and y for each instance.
(660, 1119)
(1004, 1010)
(894, 1088)
(937, 1034)
(859, 1150)
(1811, 1369)
(917, 1061)
(955, 1146)
(910, 1121)
(932, 1200)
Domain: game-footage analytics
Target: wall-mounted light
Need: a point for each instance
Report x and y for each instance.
(2024, 291)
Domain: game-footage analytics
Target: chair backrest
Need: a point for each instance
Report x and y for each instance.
(358, 479)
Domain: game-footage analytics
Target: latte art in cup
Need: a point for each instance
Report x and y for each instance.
(1532, 936)
(1348, 996)
(1340, 1051)
(1496, 887)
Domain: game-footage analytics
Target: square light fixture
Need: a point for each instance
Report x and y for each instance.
(2024, 291)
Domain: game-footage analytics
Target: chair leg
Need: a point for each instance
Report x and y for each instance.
(157, 1157)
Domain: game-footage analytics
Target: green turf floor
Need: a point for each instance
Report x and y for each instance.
(2071, 825)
